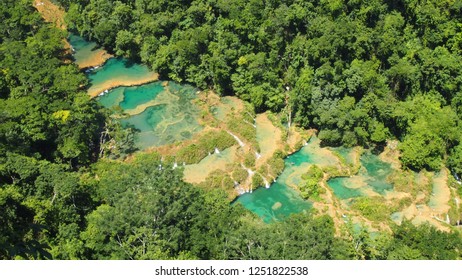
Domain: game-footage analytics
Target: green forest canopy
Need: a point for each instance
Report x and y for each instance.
(358, 71)
(62, 198)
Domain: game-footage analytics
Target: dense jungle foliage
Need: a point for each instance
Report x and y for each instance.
(359, 72)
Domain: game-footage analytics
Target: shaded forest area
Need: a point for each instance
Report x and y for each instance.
(61, 198)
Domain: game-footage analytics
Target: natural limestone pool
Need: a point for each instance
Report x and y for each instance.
(281, 199)
(165, 113)
(87, 54)
(372, 176)
(274, 203)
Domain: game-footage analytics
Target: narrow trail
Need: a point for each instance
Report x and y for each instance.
(54, 14)
(51, 12)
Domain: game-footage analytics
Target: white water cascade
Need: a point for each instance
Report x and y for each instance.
(248, 170)
(240, 190)
(267, 184)
(251, 116)
(237, 139)
(252, 124)
(459, 181)
(103, 93)
(91, 69)
(248, 189)
(457, 207)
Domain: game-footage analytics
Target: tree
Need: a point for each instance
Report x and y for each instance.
(311, 188)
(430, 131)
(19, 232)
(455, 160)
(424, 242)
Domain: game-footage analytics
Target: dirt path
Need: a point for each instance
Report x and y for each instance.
(51, 12)
(55, 14)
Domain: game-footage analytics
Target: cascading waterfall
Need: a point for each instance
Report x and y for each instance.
(91, 69)
(103, 93)
(277, 202)
(252, 124)
(239, 188)
(457, 207)
(251, 173)
(458, 180)
(251, 116)
(267, 184)
(254, 120)
(237, 139)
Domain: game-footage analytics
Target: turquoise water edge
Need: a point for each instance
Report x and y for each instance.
(165, 113)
